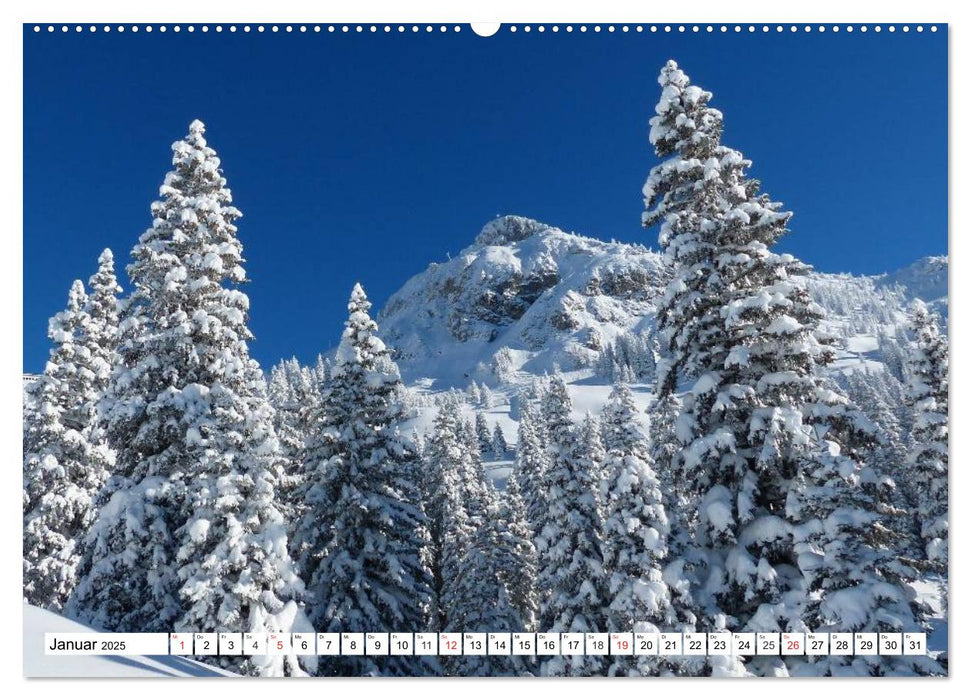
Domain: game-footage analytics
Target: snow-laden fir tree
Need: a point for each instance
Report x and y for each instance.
(487, 398)
(99, 331)
(418, 443)
(483, 434)
(294, 392)
(190, 537)
(321, 370)
(312, 499)
(373, 575)
(574, 594)
(592, 453)
(879, 395)
(477, 491)
(483, 597)
(518, 564)
(928, 459)
(531, 465)
(854, 576)
(768, 451)
(663, 414)
(448, 523)
(729, 300)
(283, 398)
(635, 531)
(475, 394)
(499, 445)
(63, 468)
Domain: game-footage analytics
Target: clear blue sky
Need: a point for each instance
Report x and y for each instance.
(365, 157)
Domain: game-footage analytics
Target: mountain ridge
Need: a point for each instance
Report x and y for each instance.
(526, 298)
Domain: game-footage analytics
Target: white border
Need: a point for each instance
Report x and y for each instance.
(438, 11)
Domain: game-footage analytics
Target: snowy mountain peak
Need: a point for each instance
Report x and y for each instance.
(526, 297)
(924, 279)
(508, 229)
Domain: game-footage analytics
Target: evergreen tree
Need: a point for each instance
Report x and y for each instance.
(475, 394)
(518, 564)
(99, 331)
(487, 399)
(531, 465)
(190, 536)
(769, 452)
(483, 434)
(664, 446)
(572, 577)
(635, 533)
(373, 575)
(321, 370)
(592, 453)
(63, 470)
(418, 443)
(448, 523)
(312, 495)
(739, 328)
(499, 446)
(928, 459)
(477, 490)
(482, 596)
(682, 563)
(873, 392)
(291, 403)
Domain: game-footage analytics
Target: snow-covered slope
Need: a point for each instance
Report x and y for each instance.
(36, 664)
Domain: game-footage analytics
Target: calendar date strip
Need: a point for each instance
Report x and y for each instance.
(488, 644)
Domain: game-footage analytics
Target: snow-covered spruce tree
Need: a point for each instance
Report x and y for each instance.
(592, 453)
(477, 490)
(373, 575)
(874, 393)
(767, 448)
(488, 561)
(483, 434)
(294, 392)
(635, 531)
(662, 415)
(499, 446)
(98, 338)
(475, 394)
(482, 594)
(46, 399)
(928, 459)
(572, 579)
(418, 443)
(190, 537)
(63, 469)
(321, 370)
(518, 564)
(531, 465)
(854, 577)
(100, 330)
(471, 580)
(740, 329)
(448, 523)
(312, 497)
(682, 560)
(282, 397)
